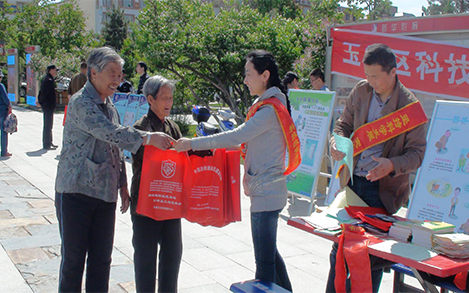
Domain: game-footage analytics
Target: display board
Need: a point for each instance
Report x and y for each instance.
(312, 114)
(441, 188)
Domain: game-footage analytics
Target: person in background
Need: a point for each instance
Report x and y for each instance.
(91, 173)
(264, 180)
(78, 80)
(316, 78)
(142, 71)
(381, 172)
(148, 234)
(47, 101)
(290, 81)
(125, 86)
(5, 109)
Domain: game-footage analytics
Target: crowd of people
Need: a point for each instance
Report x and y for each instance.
(91, 171)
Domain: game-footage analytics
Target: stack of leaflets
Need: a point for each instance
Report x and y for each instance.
(423, 232)
(401, 230)
(454, 245)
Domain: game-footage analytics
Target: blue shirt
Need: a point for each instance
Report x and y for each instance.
(4, 101)
(365, 162)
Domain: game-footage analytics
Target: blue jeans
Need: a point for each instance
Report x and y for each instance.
(148, 235)
(269, 264)
(3, 134)
(369, 192)
(87, 230)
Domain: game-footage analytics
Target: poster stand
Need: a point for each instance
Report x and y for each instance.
(312, 114)
(441, 188)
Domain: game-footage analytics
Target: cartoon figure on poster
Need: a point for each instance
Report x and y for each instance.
(463, 164)
(439, 188)
(454, 202)
(441, 144)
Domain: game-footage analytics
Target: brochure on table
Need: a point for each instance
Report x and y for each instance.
(441, 188)
(311, 112)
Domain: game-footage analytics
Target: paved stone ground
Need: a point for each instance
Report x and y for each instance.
(213, 258)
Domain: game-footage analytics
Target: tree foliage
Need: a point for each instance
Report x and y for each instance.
(446, 7)
(206, 51)
(115, 28)
(374, 9)
(286, 8)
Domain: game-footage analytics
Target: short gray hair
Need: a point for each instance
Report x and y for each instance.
(100, 57)
(154, 83)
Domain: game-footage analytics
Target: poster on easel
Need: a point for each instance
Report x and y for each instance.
(441, 188)
(312, 113)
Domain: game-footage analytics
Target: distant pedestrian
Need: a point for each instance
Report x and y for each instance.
(290, 81)
(125, 86)
(142, 71)
(317, 80)
(47, 101)
(5, 109)
(78, 80)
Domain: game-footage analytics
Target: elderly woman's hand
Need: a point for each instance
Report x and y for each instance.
(183, 144)
(125, 199)
(160, 140)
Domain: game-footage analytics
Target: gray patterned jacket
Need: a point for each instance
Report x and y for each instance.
(91, 161)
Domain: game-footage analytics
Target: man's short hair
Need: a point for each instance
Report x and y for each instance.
(143, 65)
(317, 73)
(83, 65)
(380, 54)
(50, 67)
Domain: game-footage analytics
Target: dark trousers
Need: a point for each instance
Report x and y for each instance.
(87, 230)
(47, 127)
(148, 234)
(369, 192)
(3, 134)
(269, 264)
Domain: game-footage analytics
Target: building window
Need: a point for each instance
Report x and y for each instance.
(132, 4)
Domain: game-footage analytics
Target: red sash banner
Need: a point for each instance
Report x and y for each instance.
(427, 66)
(387, 127)
(288, 129)
(174, 185)
(65, 115)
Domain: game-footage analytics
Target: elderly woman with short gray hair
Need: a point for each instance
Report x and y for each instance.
(91, 172)
(149, 234)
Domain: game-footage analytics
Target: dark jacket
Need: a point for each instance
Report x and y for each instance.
(406, 150)
(78, 81)
(47, 97)
(4, 101)
(125, 87)
(149, 122)
(141, 82)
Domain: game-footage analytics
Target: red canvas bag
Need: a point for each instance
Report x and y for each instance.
(161, 193)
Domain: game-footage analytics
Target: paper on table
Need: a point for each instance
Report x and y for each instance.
(345, 145)
(347, 197)
(407, 250)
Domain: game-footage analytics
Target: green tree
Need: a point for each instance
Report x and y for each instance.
(286, 8)
(206, 51)
(115, 28)
(374, 9)
(445, 7)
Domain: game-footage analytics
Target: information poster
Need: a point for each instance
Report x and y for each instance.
(312, 114)
(441, 188)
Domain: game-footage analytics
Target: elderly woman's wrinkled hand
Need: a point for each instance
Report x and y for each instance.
(161, 140)
(183, 145)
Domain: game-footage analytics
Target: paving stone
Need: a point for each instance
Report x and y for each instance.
(41, 275)
(190, 277)
(41, 204)
(205, 259)
(122, 273)
(128, 287)
(230, 275)
(22, 222)
(26, 255)
(31, 241)
(52, 251)
(6, 214)
(224, 244)
(212, 288)
(43, 230)
(51, 218)
(13, 232)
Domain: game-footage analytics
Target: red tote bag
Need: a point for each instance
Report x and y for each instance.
(161, 193)
(204, 199)
(232, 190)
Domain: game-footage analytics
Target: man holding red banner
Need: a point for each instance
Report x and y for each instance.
(148, 233)
(387, 126)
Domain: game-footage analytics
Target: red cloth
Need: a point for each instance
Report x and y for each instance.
(460, 280)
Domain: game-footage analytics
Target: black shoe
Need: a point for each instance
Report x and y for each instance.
(54, 145)
(50, 148)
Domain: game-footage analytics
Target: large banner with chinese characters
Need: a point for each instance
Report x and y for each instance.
(422, 65)
(311, 112)
(441, 188)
